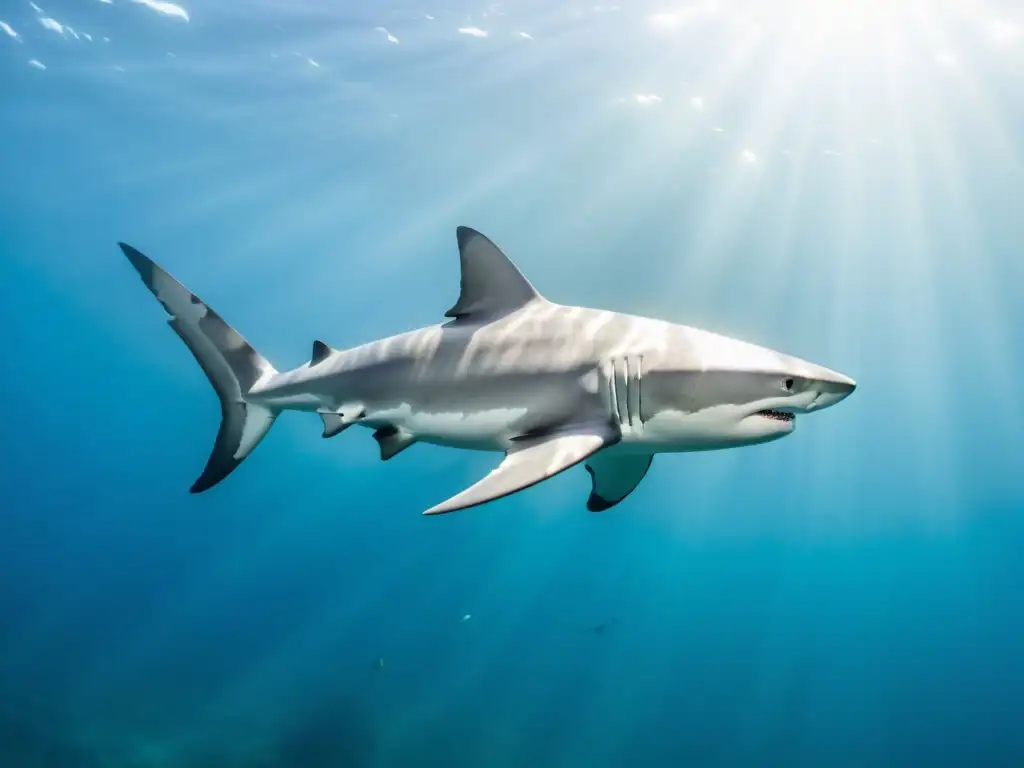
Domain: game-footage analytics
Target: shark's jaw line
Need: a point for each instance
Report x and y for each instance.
(768, 413)
(550, 386)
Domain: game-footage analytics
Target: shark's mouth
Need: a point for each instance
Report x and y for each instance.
(776, 415)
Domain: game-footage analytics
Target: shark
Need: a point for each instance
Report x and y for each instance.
(547, 385)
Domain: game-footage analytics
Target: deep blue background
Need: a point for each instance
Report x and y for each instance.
(849, 596)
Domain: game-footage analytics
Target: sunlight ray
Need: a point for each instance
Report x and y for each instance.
(851, 262)
(729, 198)
(975, 275)
(780, 258)
(915, 312)
(979, 106)
(667, 145)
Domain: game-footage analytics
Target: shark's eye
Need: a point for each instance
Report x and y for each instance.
(788, 383)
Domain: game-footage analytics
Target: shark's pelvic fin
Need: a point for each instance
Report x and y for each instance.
(392, 441)
(531, 461)
(491, 284)
(613, 478)
(321, 352)
(337, 421)
(227, 359)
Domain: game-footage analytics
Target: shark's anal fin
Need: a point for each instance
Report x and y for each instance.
(530, 461)
(392, 441)
(491, 285)
(321, 352)
(336, 422)
(613, 478)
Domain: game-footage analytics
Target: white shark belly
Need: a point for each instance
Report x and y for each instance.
(478, 430)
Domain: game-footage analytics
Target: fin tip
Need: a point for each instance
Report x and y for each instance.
(463, 233)
(321, 351)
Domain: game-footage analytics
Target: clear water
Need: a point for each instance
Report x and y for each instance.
(844, 184)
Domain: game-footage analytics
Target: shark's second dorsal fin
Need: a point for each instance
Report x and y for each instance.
(492, 285)
(321, 352)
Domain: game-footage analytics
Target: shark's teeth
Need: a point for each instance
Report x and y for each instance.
(777, 415)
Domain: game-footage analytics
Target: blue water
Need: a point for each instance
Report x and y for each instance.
(844, 188)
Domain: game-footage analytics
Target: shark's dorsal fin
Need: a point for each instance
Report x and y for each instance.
(492, 285)
(321, 352)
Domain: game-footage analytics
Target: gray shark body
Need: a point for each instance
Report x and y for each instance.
(548, 385)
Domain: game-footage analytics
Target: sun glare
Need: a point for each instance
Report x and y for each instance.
(843, 20)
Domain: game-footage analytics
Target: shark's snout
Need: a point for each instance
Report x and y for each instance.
(829, 387)
(832, 391)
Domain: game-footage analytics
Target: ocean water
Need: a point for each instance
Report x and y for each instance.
(841, 182)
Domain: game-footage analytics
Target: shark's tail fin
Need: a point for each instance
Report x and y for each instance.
(232, 366)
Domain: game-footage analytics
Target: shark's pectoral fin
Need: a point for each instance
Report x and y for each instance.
(530, 461)
(392, 441)
(336, 422)
(613, 478)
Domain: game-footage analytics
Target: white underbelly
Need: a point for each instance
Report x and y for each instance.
(484, 430)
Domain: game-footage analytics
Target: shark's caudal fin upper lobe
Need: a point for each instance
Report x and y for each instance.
(227, 359)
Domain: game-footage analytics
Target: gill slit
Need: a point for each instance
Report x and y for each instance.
(613, 399)
(626, 385)
(640, 390)
(625, 401)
